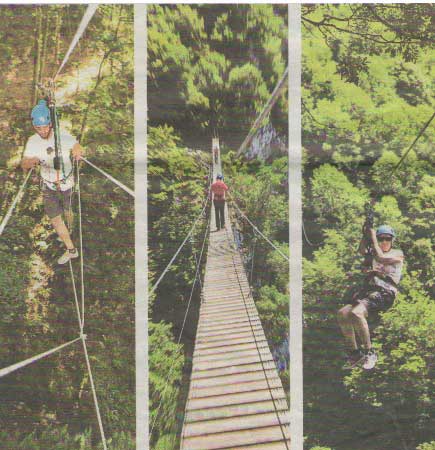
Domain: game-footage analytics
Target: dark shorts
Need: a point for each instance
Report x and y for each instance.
(56, 202)
(375, 299)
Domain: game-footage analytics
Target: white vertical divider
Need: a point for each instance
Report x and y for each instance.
(295, 221)
(141, 261)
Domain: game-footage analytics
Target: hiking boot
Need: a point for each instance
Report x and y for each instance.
(354, 358)
(370, 359)
(68, 255)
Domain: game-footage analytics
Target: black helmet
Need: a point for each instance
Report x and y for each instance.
(219, 176)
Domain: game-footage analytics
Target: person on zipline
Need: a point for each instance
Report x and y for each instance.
(377, 295)
(218, 189)
(57, 182)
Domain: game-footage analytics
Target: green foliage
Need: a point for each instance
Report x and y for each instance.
(176, 192)
(51, 402)
(367, 91)
(166, 360)
(427, 446)
(212, 67)
(260, 190)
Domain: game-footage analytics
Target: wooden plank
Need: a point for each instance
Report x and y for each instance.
(237, 423)
(232, 439)
(231, 348)
(234, 379)
(243, 368)
(235, 399)
(245, 409)
(242, 386)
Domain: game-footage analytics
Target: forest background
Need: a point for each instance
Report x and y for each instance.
(49, 404)
(211, 69)
(368, 89)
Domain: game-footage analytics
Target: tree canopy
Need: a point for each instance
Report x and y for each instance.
(367, 91)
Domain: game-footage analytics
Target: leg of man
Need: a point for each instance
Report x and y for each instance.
(345, 321)
(359, 315)
(216, 213)
(62, 231)
(222, 214)
(54, 209)
(67, 208)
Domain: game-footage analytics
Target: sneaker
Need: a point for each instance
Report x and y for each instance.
(68, 255)
(354, 358)
(370, 359)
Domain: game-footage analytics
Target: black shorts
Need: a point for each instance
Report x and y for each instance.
(56, 202)
(374, 298)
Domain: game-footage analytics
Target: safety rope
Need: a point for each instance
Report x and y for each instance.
(82, 282)
(256, 343)
(198, 266)
(279, 88)
(113, 180)
(80, 315)
(81, 319)
(305, 235)
(180, 247)
(26, 362)
(413, 143)
(15, 202)
(90, 11)
(257, 230)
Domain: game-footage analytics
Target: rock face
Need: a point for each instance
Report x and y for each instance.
(266, 144)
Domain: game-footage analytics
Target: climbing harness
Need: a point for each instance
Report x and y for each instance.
(58, 160)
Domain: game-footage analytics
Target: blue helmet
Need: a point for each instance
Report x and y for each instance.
(219, 177)
(41, 114)
(385, 229)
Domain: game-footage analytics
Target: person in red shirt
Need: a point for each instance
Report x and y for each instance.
(218, 189)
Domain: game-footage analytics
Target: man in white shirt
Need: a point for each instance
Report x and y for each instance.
(376, 296)
(56, 172)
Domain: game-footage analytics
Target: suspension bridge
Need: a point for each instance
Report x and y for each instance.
(236, 399)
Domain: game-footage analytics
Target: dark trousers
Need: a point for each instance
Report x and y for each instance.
(219, 209)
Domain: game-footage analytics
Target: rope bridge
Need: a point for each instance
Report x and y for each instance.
(80, 309)
(236, 399)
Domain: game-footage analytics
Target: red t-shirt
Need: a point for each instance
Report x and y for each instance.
(219, 188)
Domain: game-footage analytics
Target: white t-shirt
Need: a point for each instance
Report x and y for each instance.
(43, 149)
(394, 271)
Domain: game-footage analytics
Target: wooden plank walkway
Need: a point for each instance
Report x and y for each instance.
(236, 400)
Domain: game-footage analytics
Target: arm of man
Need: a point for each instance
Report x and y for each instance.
(225, 191)
(29, 162)
(77, 151)
(362, 249)
(380, 256)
